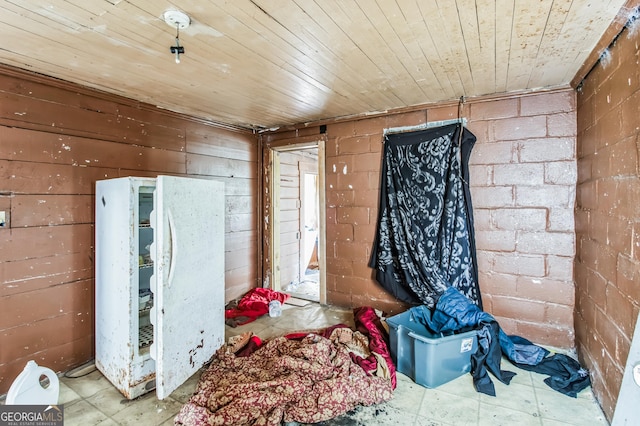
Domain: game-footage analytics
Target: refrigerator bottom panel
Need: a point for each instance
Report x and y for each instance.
(147, 384)
(129, 390)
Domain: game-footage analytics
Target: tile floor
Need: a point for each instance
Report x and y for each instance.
(92, 400)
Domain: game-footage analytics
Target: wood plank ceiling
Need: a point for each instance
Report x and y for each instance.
(268, 63)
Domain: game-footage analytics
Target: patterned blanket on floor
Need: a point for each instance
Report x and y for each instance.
(307, 380)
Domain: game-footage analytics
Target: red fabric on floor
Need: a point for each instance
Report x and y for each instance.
(368, 323)
(254, 304)
(254, 344)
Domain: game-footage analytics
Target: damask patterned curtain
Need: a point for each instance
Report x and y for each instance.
(425, 242)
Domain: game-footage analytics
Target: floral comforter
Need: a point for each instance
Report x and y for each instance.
(303, 379)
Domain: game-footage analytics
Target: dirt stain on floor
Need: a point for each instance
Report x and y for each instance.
(360, 416)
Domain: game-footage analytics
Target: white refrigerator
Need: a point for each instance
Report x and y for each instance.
(159, 280)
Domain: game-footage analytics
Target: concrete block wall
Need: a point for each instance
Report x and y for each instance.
(608, 216)
(523, 176)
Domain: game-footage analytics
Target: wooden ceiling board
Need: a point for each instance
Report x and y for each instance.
(346, 60)
(371, 55)
(466, 14)
(269, 63)
(479, 31)
(437, 80)
(290, 63)
(503, 34)
(404, 72)
(94, 8)
(549, 46)
(349, 60)
(51, 35)
(467, 42)
(443, 27)
(334, 53)
(528, 30)
(279, 76)
(447, 32)
(581, 31)
(298, 55)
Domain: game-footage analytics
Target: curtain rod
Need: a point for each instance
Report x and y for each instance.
(424, 126)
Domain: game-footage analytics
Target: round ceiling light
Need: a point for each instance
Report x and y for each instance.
(176, 19)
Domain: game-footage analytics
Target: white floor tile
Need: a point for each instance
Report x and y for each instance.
(576, 411)
(407, 396)
(81, 413)
(444, 407)
(87, 385)
(148, 411)
(513, 396)
(110, 401)
(67, 395)
(493, 415)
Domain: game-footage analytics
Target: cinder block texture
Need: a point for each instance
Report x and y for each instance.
(607, 266)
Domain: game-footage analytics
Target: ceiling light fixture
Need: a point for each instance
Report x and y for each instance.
(179, 21)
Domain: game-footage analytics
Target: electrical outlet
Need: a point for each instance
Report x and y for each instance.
(3, 219)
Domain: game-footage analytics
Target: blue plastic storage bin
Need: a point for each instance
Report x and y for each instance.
(428, 359)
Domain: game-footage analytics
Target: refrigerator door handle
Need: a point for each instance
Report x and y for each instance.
(173, 247)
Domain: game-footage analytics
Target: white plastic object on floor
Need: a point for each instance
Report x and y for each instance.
(275, 308)
(27, 390)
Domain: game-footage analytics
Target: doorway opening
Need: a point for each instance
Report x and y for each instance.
(294, 243)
